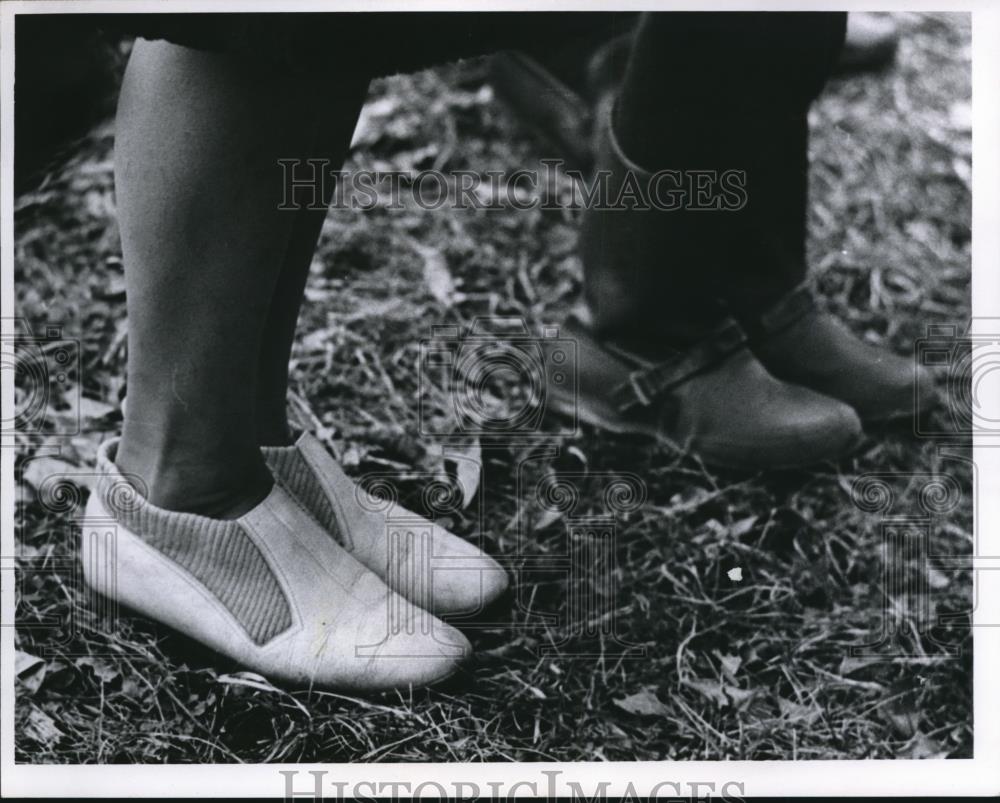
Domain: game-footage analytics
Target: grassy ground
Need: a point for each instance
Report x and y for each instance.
(762, 667)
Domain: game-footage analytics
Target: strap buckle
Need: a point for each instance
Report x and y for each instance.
(646, 385)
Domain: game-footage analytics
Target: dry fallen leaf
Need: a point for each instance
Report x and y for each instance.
(850, 663)
(91, 409)
(38, 469)
(40, 727)
(923, 746)
(467, 463)
(104, 671)
(436, 274)
(25, 662)
(730, 664)
(905, 722)
(797, 712)
(722, 694)
(644, 703)
(30, 671)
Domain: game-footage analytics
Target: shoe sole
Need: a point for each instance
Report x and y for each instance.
(582, 413)
(283, 685)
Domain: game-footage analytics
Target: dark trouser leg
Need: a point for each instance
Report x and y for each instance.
(705, 94)
(758, 74)
(731, 92)
(716, 92)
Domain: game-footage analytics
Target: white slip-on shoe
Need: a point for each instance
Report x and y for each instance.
(421, 560)
(271, 590)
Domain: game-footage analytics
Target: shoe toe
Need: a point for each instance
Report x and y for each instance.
(747, 419)
(495, 583)
(896, 388)
(827, 428)
(423, 651)
(419, 559)
(469, 590)
(800, 428)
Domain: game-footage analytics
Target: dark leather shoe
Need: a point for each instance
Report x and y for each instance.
(713, 399)
(799, 343)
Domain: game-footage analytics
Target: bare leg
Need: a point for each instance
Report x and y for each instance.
(341, 105)
(198, 185)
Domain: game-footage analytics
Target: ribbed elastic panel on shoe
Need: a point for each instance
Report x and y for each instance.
(291, 469)
(217, 552)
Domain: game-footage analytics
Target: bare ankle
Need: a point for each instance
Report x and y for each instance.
(184, 481)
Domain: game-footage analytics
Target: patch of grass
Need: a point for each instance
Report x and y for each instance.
(756, 668)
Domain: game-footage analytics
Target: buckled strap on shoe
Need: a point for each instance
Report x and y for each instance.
(787, 310)
(645, 385)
